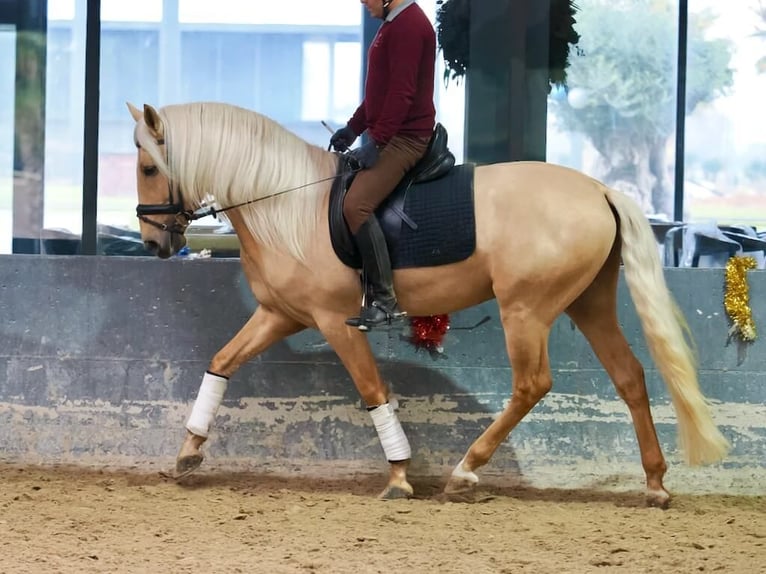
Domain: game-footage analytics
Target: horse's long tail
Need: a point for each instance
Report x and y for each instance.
(667, 334)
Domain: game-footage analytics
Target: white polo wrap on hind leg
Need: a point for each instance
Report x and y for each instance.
(390, 432)
(206, 406)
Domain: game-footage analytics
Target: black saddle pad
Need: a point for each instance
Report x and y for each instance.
(438, 226)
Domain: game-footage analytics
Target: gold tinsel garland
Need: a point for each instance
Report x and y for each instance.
(736, 298)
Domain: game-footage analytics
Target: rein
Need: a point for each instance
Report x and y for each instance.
(205, 211)
(185, 216)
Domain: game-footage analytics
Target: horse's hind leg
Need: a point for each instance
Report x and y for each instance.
(263, 329)
(527, 342)
(595, 314)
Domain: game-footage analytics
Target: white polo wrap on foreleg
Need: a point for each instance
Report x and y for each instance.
(392, 437)
(206, 406)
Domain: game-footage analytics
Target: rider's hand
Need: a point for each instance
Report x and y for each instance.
(342, 139)
(366, 155)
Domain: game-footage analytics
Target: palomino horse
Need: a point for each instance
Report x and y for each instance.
(548, 240)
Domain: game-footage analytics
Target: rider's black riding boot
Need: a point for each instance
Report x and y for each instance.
(382, 308)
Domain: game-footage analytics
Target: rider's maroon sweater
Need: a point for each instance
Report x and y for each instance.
(399, 90)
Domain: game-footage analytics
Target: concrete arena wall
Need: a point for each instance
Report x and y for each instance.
(100, 358)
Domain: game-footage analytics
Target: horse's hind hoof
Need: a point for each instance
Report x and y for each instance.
(396, 493)
(186, 465)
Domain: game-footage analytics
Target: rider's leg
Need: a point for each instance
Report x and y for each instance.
(368, 190)
(383, 308)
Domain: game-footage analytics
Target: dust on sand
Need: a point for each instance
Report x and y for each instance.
(66, 519)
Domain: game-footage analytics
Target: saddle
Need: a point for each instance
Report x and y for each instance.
(437, 161)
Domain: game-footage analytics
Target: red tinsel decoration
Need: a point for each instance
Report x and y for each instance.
(428, 332)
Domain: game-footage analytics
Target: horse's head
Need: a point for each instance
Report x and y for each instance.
(164, 218)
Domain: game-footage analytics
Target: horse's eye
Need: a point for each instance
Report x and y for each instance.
(149, 170)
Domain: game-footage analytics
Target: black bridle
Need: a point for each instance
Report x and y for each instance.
(184, 217)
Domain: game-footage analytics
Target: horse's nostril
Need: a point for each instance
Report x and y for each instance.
(152, 247)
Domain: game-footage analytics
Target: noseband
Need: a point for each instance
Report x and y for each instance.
(182, 220)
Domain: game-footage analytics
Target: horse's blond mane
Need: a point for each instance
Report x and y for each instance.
(226, 154)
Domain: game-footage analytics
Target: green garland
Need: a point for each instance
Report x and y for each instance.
(453, 24)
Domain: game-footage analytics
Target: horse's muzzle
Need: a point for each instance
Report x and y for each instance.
(153, 247)
(165, 249)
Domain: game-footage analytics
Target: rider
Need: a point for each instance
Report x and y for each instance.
(398, 114)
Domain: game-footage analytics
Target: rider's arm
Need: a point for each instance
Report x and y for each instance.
(358, 121)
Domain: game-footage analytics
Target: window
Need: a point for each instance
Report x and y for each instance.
(280, 59)
(58, 73)
(64, 87)
(7, 82)
(133, 11)
(616, 122)
(347, 80)
(130, 64)
(260, 71)
(725, 175)
(317, 67)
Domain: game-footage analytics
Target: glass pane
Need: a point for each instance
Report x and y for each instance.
(7, 83)
(61, 9)
(346, 84)
(276, 58)
(294, 61)
(616, 122)
(39, 154)
(129, 70)
(284, 12)
(133, 11)
(64, 121)
(25, 101)
(129, 59)
(725, 176)
(316, 73)
(200, 53)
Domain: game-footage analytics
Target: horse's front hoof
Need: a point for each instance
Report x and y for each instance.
(462, 482)
(658, 499)
(397, 492)
(187, 464)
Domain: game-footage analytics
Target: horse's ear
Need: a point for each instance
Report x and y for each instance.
(134, 111)
(153, 122)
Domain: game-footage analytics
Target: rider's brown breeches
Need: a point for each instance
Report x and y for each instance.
(371, 186)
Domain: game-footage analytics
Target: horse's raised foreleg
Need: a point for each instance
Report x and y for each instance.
(527, 343)
(354, 351)
(595, 314)
(262, 330)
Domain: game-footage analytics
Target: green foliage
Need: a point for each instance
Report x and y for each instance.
(626, 77)
(29, 92)
(453, 24)
(453, 31)
(563, 36)
(628, 69)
